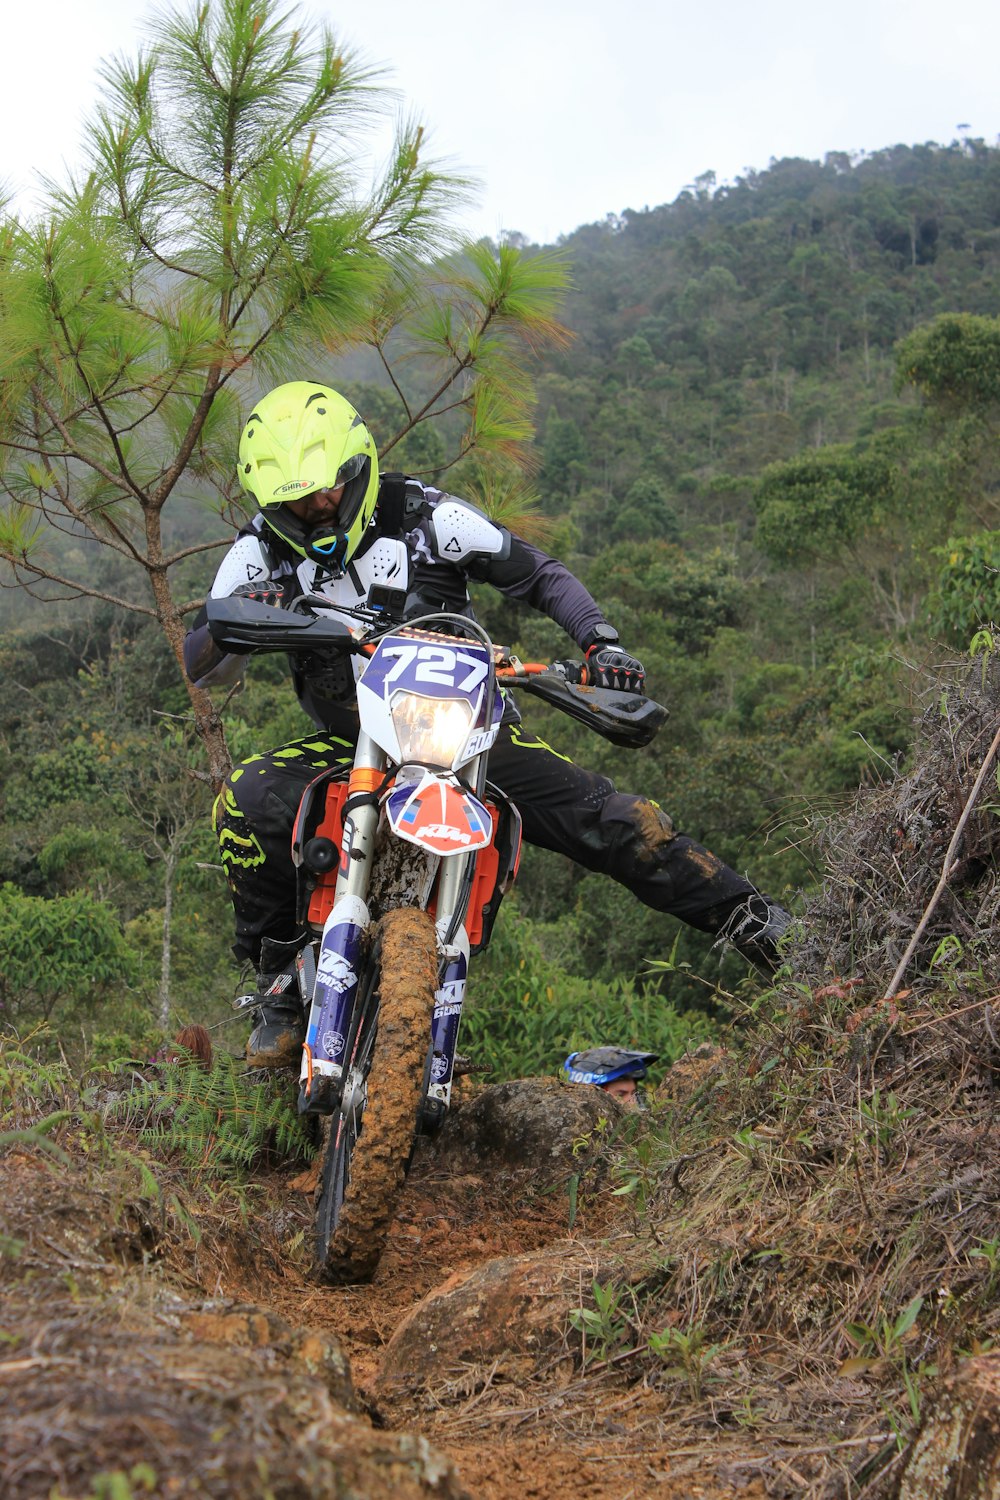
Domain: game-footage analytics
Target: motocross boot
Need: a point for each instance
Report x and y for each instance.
(754, 930)
(276, 1040)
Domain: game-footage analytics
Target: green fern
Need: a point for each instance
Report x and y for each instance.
(221, 1119)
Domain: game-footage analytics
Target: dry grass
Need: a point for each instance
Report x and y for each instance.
(817, 1215)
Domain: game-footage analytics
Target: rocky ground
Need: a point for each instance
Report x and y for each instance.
(162, 1343)
(161, 1333)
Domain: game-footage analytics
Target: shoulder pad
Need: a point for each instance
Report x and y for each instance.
(247, 561)
(461, 534)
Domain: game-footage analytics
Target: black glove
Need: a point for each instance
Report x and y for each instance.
(610, 666)
(265, 592)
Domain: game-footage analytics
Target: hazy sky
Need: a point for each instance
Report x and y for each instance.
(569, 111)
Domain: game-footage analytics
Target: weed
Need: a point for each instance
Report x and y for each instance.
(115, 1484)
(28, 1084)
(687, 1354)
(638, 1176)
(883, 1117)
(881, 1342)
(988, 1250)
(219, 1118)
(604, 1326)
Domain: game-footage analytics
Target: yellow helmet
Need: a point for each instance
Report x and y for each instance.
(302, 437)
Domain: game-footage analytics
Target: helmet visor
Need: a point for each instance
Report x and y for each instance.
(349, 469)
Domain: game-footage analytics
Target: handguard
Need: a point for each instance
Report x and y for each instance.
(623, 718)
(240, 625)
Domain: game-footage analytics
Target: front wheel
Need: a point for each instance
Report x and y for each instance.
(368, 1140)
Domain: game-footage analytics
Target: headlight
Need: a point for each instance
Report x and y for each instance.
(431, 730)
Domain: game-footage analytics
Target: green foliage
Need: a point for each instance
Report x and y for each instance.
(883, 1338)
(605, 1327)
(525, 1014)
(30, 1083)
(684, 597)
(966, 592)
(954, 361)
(882, 1120)
(66, 953)
(76, 856)
(821, 502)
(223, 1119)
(646, 515)
(117, 1484)
(686, 1353)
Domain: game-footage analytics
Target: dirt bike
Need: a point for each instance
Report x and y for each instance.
(402, 862)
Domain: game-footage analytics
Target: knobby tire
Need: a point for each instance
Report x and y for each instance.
(366, 1151)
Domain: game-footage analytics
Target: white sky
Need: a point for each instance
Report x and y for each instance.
(567, 110)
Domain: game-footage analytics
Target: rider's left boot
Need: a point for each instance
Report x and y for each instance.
(276, 1040)
(755, 929)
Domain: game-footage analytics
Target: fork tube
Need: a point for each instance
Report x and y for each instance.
(339, 964)
(454, 882)
(448, 1001)
(360, 824)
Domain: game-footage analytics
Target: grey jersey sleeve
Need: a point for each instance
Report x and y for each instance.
(546, 584)
(460, 533)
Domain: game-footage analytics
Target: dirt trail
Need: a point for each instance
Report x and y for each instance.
(558, 1444)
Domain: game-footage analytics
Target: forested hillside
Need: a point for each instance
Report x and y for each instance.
(768, 449)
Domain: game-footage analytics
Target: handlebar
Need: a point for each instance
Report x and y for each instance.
(239, 624)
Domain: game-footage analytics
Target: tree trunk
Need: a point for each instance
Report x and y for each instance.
(207, 722)
(169, 866)
(956, 1452)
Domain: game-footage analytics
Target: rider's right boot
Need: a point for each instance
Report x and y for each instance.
(280, 1029)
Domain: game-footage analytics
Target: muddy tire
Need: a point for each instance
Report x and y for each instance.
(368, 1141)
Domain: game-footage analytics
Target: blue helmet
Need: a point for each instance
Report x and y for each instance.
(602, 1065)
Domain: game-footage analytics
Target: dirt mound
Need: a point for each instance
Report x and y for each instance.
(113, 1381)
(555, 1129)
(509, 1317)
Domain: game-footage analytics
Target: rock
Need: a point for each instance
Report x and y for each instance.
(956, 1452)
(247, 1326)
(507, 1317)
(556, 1129)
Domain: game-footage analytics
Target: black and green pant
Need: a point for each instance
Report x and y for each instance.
(563, 807)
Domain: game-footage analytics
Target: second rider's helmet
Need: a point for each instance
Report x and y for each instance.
(301, 437)
(602, 1065)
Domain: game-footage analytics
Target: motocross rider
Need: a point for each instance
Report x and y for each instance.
(328, 523)
(617, 1071)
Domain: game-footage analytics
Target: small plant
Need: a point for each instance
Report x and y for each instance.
(988, 1251)
(604, 1326)
(115, 1484)
(638, 1175)
(881, 1342)
(28, 1083)
(884, 1117)
(686, 1354)
(984, 645)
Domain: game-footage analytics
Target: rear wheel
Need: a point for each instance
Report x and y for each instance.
(368, 1140)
